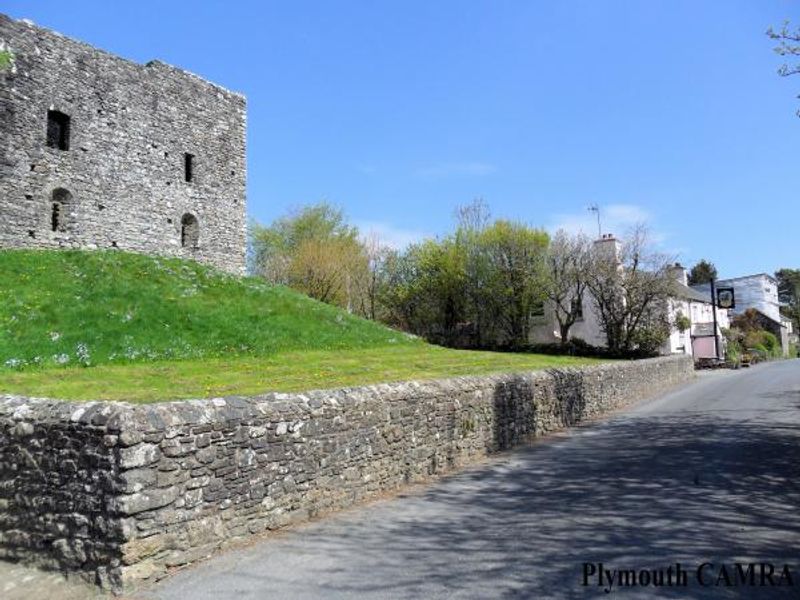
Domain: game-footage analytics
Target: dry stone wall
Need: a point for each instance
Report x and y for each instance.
(94, 153)
(122, 493)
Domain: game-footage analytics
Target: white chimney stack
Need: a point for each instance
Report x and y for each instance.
(678, 273)
(608, 246)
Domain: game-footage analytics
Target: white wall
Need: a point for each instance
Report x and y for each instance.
(757, 291)
(589, 330)
(679, 342)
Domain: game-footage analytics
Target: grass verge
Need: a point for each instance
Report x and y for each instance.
(284, 372)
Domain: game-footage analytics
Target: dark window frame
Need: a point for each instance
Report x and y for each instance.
(56, 217)
(190, 231)
(579, 305)
(58, 129)
(188, 167)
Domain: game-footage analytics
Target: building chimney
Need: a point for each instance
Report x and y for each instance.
(678, 273)
(608, 246)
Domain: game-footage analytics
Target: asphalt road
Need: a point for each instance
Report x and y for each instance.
(710, 473)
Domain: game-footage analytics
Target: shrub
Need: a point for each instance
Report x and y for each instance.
(733, 352)
(579, 347)
(649, 337)
(771, 344)
(682, 322)
(764, 343)
(6, 59)
(573, 347)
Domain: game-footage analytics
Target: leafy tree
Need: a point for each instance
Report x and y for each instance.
(788, 46)
(630, 287)
(567, 266)
(425, 290)
(789, 294)
(480, 286)
(512, 290)
(472, 219)
(312, 250)
(327, 269)
(703, 272)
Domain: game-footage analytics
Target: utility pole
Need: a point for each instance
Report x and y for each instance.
(596, 209)
(714, 312)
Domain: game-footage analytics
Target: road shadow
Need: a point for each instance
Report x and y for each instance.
(638, 491)
(631, 493)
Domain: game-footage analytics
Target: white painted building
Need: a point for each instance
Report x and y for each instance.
(755, 291)
(696, 340)
(587, 327)
(759, 292)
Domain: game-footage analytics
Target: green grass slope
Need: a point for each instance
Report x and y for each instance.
(68, 308)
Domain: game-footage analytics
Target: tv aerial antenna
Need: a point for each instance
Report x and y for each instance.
(596, 209)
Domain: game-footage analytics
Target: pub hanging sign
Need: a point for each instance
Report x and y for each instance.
(725, 298)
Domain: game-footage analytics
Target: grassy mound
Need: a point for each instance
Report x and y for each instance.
(68, 308)
(156, 329)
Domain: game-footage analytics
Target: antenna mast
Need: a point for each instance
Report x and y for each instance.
(596, 209)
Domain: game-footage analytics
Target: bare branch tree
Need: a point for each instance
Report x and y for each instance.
(368, 281)
(788, 45)
(473, 217)
(630, 285)
(566, 272)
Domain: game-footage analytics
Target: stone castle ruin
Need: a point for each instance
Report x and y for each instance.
(100, 152)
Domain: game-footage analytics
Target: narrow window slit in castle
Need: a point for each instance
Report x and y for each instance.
(55, 217)
(57, 130)
(61, 199)
(188, 166)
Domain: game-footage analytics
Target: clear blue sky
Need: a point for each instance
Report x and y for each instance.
(398, 111)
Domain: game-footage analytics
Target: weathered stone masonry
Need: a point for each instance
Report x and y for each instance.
(100, 152)
(120, 493)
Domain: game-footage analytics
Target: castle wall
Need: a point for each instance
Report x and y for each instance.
(130, 127)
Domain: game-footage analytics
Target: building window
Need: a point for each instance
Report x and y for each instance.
(577, 308)
(190, 231)
(59, 206)
(56, 222)
(57, 130)
(188, 166)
